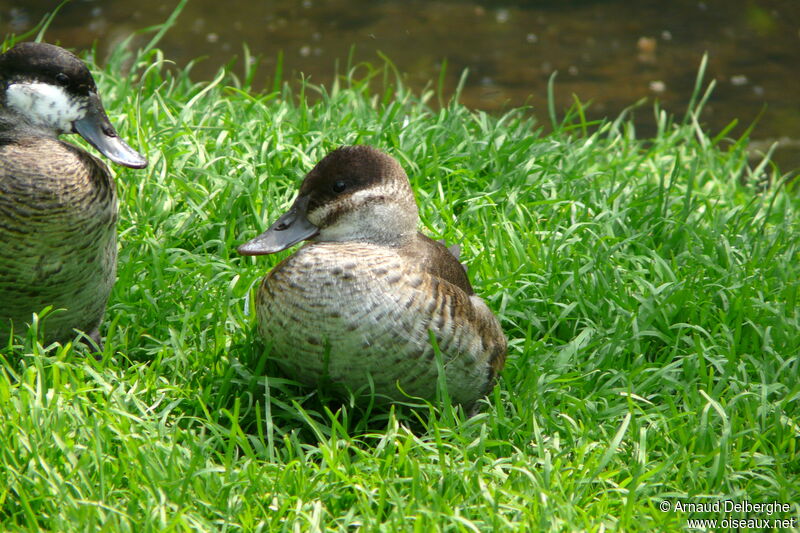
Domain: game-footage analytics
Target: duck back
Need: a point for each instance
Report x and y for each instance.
(437, 260)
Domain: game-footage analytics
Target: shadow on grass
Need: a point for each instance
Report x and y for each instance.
(256, 398)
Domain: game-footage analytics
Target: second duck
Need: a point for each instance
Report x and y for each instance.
(358, 303)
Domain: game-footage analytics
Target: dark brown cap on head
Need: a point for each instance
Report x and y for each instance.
(46, 63)
(347, 170)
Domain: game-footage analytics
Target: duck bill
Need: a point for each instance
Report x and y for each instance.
(291, 228)
(98, 131)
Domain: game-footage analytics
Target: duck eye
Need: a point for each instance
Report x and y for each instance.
(339, 186)
(62, 78)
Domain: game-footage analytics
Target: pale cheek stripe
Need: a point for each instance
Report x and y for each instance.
(352, 201)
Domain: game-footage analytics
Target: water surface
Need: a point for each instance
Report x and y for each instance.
(612, 53)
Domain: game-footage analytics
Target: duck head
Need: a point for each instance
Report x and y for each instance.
(53, 89)
(356, 193)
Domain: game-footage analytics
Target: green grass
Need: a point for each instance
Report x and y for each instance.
(648, 289)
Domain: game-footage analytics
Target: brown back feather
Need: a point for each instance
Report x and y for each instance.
(436, 259)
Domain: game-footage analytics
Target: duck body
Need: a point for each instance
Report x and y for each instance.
(58, 204)
(62, 251)
(358, 304)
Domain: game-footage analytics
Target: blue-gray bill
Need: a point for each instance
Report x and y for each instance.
(290, 228)
(98, 131)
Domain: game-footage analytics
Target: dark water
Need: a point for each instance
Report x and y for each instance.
(610, 52)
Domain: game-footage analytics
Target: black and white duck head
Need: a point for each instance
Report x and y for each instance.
(52, 89)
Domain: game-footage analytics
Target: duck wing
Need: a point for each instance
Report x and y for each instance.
(438, 260)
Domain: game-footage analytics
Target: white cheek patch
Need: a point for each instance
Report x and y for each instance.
(46, 105)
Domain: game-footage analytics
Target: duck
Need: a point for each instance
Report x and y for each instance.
(58, 203)
(359, 305)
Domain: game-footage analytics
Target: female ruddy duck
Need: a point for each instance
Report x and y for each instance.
(58, 204)
(358, 303)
